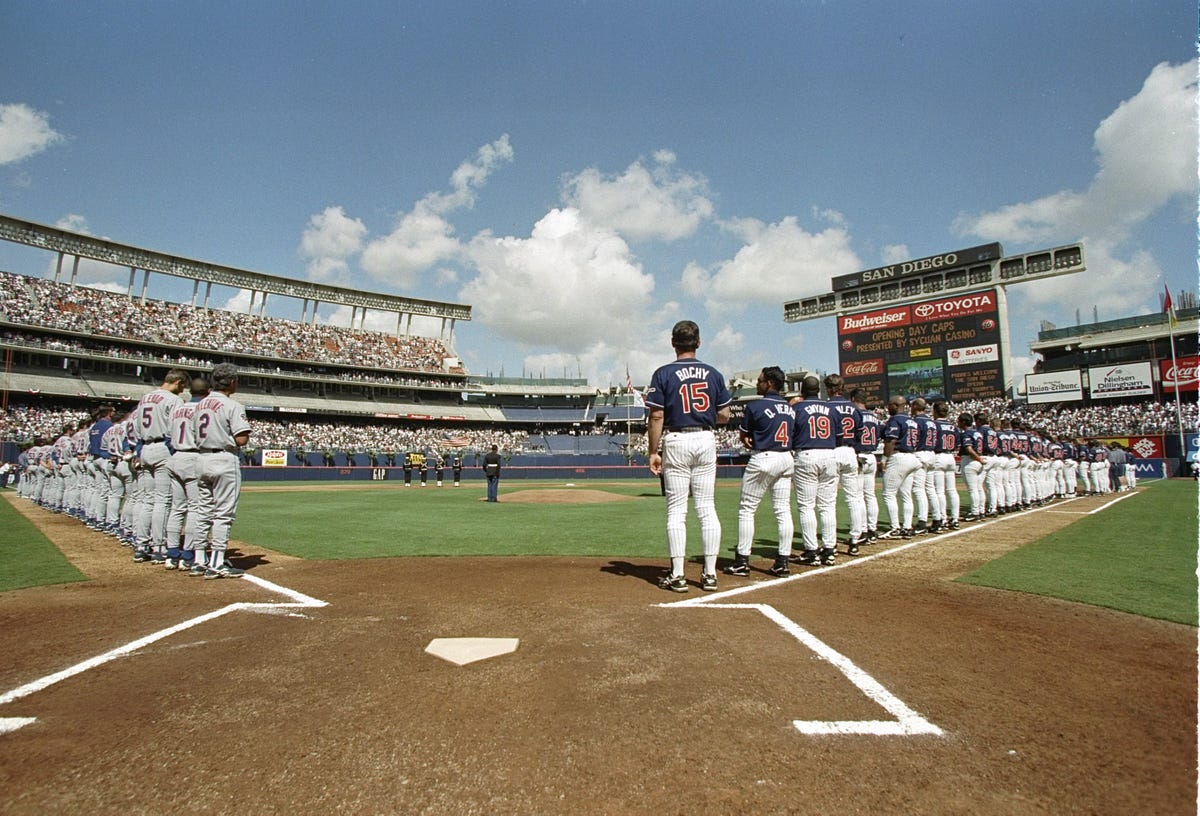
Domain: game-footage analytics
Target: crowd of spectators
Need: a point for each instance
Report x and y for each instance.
(191, 362)
(24, 422)
(45, 303)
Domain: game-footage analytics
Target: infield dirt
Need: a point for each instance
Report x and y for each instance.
(611, 704)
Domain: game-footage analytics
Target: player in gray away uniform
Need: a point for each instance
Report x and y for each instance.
(185, 491)
(152, 423)
(767, 429)
(221, 429)
(686, 400)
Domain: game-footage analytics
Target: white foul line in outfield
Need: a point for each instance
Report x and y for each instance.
(299, 600)
(907, 722)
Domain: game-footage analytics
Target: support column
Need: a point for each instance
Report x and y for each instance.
(58, 267)
(195, 291)
(132, 277)
(207, 294)
(75, 270)
(262, 305)
(145, 283)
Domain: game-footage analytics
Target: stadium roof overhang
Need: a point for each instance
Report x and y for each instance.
(78, 245)
(1118, 337)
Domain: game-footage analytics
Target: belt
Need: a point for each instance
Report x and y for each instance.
(217, 450)
(690, 429)
(154, 440)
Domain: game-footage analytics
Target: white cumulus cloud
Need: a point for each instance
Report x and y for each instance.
(777, 262)
(329, 241)
(423, 238)
(642, 203)
(1145, 154)
(567, 285)
(24, 132)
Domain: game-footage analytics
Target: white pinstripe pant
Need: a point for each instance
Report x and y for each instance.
(767, 471)
(689, 462)
(816, 483)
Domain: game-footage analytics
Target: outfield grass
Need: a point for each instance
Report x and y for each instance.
(29, 559)
(1138, 556)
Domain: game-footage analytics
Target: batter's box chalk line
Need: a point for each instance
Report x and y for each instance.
(298, 600)
(906, 723)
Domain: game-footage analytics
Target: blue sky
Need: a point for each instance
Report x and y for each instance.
(583, 174)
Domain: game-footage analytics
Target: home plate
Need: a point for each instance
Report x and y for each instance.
(13, 723)
(462, 651)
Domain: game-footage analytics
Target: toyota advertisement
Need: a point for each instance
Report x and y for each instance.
(949, 346)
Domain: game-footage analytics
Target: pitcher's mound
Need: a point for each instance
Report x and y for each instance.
(562, 497)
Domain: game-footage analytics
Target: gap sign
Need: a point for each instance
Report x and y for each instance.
(948, 346)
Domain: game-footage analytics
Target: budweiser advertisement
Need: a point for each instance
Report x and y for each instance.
(948, 346)
(1183, 375)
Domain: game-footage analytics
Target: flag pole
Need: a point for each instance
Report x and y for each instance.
(1169, 308)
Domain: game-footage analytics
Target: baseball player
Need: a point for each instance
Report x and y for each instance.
(849, 421)
(98, 467)
(943, 490)
(992, 467)
(152, 423)
(221, 429)
(868, 441)
(815, 479)
(685, 401)
(185, 490)
(767, 428)
(970, 453)
(900, 439)
(456, 465)
(926, 442)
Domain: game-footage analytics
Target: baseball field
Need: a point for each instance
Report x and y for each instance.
(1042, 662)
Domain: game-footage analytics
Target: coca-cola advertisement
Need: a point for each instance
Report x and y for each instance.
(949, 345)
(1182, 375)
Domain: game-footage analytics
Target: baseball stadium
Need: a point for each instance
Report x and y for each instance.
(394, 643)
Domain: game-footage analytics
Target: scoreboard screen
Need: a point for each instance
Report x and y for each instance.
(949, 346)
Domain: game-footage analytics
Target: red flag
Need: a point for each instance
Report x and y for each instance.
(1169, 306)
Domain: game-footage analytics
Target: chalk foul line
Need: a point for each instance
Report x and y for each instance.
(298, 601)
(906, 723)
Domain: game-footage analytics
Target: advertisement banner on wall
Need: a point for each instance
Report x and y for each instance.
(949, 345)
(274, 458)
(1144, 447)
(1124, 380)
(1182, 375)
(1059, 386)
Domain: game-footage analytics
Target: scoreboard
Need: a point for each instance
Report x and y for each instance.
(951, 346)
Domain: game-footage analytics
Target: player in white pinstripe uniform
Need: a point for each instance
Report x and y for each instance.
(815, 481)
(767, 427)
(849, 423)
(686, 400)
(868, 440)
(942, 488)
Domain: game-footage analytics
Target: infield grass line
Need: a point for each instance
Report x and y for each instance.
(299, 601)
(906, 723)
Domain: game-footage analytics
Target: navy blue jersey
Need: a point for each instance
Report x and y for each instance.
(95, 434)
(972, 438)
(689, 393)
(849, 421)
(1068, 450)
(1004, 442)
(927, 433)
(871, 433)
(770, 423)
(1023, 443)
(816, 426)
(949, 437)
(991, 440)
(904, 431)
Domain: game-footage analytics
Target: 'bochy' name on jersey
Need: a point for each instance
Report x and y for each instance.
(691, 373)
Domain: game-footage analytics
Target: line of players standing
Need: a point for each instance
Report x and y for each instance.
(835, 442)
(163, 479)
(815, 445)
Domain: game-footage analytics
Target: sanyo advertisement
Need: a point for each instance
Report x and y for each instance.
(1125, 380)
